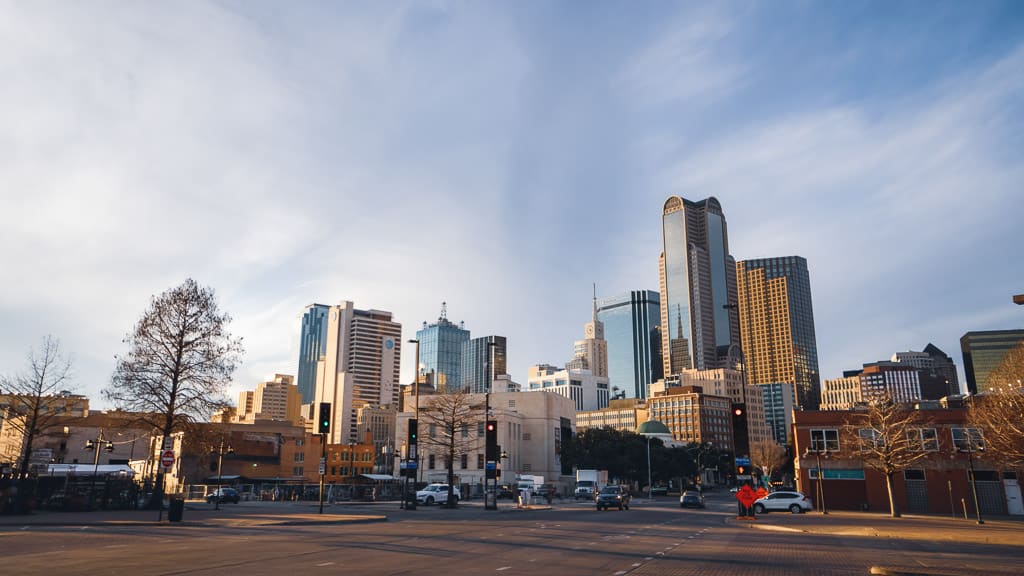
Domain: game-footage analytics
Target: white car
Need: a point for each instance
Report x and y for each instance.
(436, 493)
(794, 502)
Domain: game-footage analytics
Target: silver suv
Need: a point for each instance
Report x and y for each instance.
(783, 500)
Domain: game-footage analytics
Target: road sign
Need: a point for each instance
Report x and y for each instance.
(746, 496)
(167, 458)
(323, 466)
(743, 461)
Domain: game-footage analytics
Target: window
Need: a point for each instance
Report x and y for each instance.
(433, 430)
(511, 403)
(870, 438)
(464, 461)
(480, 461)
(299, 442)
(479, 429)
(827, 439)
(465, 431)
(526, 435)
(968, 439)
(923, 439)
(430, 462)
(913, 474)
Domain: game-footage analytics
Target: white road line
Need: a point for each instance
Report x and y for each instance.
(116, 546)
(325, 564)
(648, 558)
(502, 568)
(635, 564)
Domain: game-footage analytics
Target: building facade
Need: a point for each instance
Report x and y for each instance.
(936, 371)
(729, 383)
(777, 325)
(440, 350)
(983, 352)
(623, 414)
(692, 415)
(632, 330)
(360, 368)
(841, 393)
(778, 410)
(278, 399)
(592, 351)
(312, 348)
(699, 326)
(586, 390)
(481, 362)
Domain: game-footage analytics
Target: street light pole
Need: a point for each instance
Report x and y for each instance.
(95, 446)
(414, 456)
(974, 484)
(220, 473)
(649, 487)
(487, 415)
(821, 486)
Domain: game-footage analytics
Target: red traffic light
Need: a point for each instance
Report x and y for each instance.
(738, 411)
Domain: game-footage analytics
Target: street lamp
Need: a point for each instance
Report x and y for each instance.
(701, 451)
(352, 468)
(818, 453)
(970, 463)
(220, 468)
(95, 445)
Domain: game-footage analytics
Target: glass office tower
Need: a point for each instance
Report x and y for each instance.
(441, 351)
(633, 333)
(312, 347)
(983, 352)
(698, 287)
(477, 367)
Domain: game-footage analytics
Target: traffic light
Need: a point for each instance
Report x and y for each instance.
(324, 423)
(740, 438)
(413, 425)
(741, 470)
(491, 437)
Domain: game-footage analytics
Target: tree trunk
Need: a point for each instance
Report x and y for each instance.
(894, 509)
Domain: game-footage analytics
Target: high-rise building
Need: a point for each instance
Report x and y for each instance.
(692, 415)
(441, 350)
(481, 363)
(983, 352)
(278, 399)
(587, 390)
(312, 348)
(592, 351)
(698, 288)
(936, 371)
(777, 325)
(778, 410)
(360, 366)
(728, 383)
(632, 329)
(841, 393)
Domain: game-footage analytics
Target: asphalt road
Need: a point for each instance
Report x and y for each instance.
(572, 538)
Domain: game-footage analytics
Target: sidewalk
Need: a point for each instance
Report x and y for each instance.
(195, 517)
(1001, 530)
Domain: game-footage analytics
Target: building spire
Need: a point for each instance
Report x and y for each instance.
(444, 311)
(595, 303)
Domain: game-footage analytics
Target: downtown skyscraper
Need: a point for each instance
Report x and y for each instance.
(777, 326)
(633, 332)
(312, 348)
(482, 359)
(440, 351)
(699, 327)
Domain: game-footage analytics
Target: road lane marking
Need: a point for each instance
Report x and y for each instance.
(325, 564)
(502, 568)
(116, 546)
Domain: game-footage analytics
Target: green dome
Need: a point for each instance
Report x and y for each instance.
(652, 427)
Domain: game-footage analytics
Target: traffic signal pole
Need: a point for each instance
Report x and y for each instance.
(324, 428)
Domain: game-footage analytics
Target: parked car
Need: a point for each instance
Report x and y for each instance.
(691, 499)
(783, 500)
(612, 496)
(223, 495)
(436, 493)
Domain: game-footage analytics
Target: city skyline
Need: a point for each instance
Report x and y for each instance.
(403, 155)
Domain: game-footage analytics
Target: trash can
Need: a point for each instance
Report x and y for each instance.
(176, 509)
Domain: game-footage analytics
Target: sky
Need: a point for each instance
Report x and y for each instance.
(501, 157)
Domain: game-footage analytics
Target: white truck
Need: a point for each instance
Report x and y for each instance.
(588, 482)
(529, 481)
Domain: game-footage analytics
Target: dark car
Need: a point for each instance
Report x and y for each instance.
(612, 496)
(691, 499)
(223, 495)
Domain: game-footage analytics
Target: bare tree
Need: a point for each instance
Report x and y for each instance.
(1009, 374)
(179, 363)
(451, 422)
(36, 397)
(768, 456)
(1000, 414)
(890, 437)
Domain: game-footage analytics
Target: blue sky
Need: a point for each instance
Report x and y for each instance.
(502, 157)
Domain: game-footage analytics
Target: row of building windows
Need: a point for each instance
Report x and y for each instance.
(921, 439)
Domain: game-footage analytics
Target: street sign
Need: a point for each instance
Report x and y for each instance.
(746, 496)
(742, 461)
(491, 466)
(167, 458)
(323, 466)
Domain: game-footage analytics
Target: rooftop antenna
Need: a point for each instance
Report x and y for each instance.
(444, 311)
(595, 303)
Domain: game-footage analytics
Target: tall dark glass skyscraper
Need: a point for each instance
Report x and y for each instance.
(633, 333)
(477, 367)
(312, 347)
(441, 351)
(699, 326)
(777, 326)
